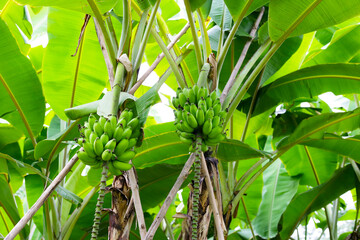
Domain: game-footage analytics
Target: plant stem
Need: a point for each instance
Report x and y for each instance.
(139, 36)
(99, 203)
(194, 34)
(112, 34)
(196, 189)
(221, 37)
(125, 31)
(241, 59)
(170, 197)
(179, 77)
(204, 35)
(248, 218)
(232, 33)
(101, 22)
(37, 205)
(203, 76)
(219, 221)
(117, 87)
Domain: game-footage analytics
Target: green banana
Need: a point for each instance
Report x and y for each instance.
(186, 127)
(111, 145)
(113, 121)
(98, 129)
(127, 133)
(209, 113)
(134, 123)
(216, 140)
(216, 121)
(186, 92)
(87, 133)
(191, 120)
(91, 121)
(213, 96)
(200, 116)
(108, 129)
(132, 142)
(182, 99)
(123, 166)
(126, 156)
(122, 122)
(86, 159)
(193, 109)
(187, 135)
(202, 93)
(187, 107)
(121, 147)
(92, 137)
(202, 102)
(196, 92)
(217, 108)
(185, 140)
(106, 155)
(80, 141)
(102, 121)
(206, 129)
(124, 114)
(204, 148)
(136, 133)
(175, 102)
(178, 91)
(179, 126)
(223, 114)
(192, 95)
(118, 133)
(129, 116)
(98, 165)
(113, 169)
(104, 139)
(178, 115)
(88, 147)
(215, 131)
(98, 146)
(203, 107)
(208, 102)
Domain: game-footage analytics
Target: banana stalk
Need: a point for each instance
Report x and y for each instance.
(197, 176)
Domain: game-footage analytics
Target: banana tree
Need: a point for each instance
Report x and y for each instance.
(253, 150)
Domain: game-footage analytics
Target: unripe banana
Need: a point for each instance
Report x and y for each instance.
(98, 147)
(209, 114)
(196, 91)
(98, 129)
(186, 127)
(129, 116)
(121, 147)
(206, 90)
(111, 145)
(204, 148)
(87, 133)
(98, 164)
(91, 120)
(217, 108)
(106, 155)
(108, 129)
(185, 140)
(213, 96)
(187, 135)
(118, 133)
(186, 92)
(179, 126)
(124, 114)
(126, 156)
(216, 140)
(92, 137)
(86, 125)
(223, 114)
(193, 109)
(202, 102)
(123, 166)
(191, 120)
(132, 142)
(206, 129)
(136, 133)
(133, 123)
(208, 101)
(86, 159)
(215, 132)
(192, 96)
(182, 99)
(216, 121)
(201, 93)
(104, 139)
(175, 102)
(178, 91)
(113, 121)
(88, 147)
(187, 107)
(178, 115)
(113, 169)
(122, 122)
(127, 133)
(80, 141)
(200, 116)
(102, 121)
(203, 107)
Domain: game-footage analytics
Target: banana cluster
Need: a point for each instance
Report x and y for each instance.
(109, 140)
(198, 113)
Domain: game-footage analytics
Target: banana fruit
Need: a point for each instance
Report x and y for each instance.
(198, 113)
(110, 140)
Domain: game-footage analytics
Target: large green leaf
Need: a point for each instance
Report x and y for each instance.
(155, 183)
(279, 189)
(315, 127)
(342, 48)
(161, 144)
(344, 146)
(233, 150)
(236, 7)
(22, 101)
(78, 5)
(298, 160)
(316, 198)
(34, 185)
(309, 82)
(8, 134)
(283, 14)
(70, 81)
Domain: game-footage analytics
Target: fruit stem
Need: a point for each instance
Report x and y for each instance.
(196, 191)
(99, 203)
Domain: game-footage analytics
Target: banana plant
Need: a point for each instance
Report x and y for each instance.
(193, 119)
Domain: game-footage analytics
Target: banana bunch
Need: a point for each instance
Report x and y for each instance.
(109, 140)
(198, 113)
